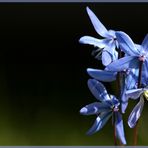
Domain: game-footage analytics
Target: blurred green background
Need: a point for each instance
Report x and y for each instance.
(43, 79)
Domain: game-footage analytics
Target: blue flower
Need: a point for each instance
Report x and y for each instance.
(107, 106)
(134, 53)
(129, 81)
(136, 112)
(106, 46)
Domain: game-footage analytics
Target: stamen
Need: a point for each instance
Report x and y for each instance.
(145, 93)
(115, 109)
(142, 58)
(126, 71)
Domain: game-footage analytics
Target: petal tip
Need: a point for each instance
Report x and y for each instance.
(130, 125)
(87, 9)
(88, 70)
(89, 132)
(81, 40)
(83, 111)
(124, 142)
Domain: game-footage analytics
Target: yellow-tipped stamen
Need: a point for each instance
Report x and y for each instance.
(145, 93)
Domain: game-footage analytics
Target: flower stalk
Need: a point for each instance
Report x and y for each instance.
(114, 130)
(139, 85)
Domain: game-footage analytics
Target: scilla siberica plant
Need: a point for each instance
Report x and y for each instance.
(126, 63)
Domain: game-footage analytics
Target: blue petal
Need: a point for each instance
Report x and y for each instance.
(145, 73)
(102, 75)
(138, 47)
(117, 44)
(134, 93)
(136, 113)
(98, 26)
(124, 106)
(132, 79)
(126, 44)
(145, 43)
(109, 53)
(98, 90)
(101, 43)
(106, 58)
(112, 33)
(94, 108)
(111, 46)
(124, 63)
(114, 100)
(114, 55)
(124, 99)
(119, 127)
(99, 122)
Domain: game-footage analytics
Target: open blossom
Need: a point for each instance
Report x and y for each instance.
(129, 82)
(133, 54)
(106, 107)
(106, 46)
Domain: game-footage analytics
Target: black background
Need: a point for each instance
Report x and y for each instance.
(43, 69)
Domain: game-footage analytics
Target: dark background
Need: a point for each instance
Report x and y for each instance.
(43, 79)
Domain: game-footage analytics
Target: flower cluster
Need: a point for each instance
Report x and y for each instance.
(125, 62)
